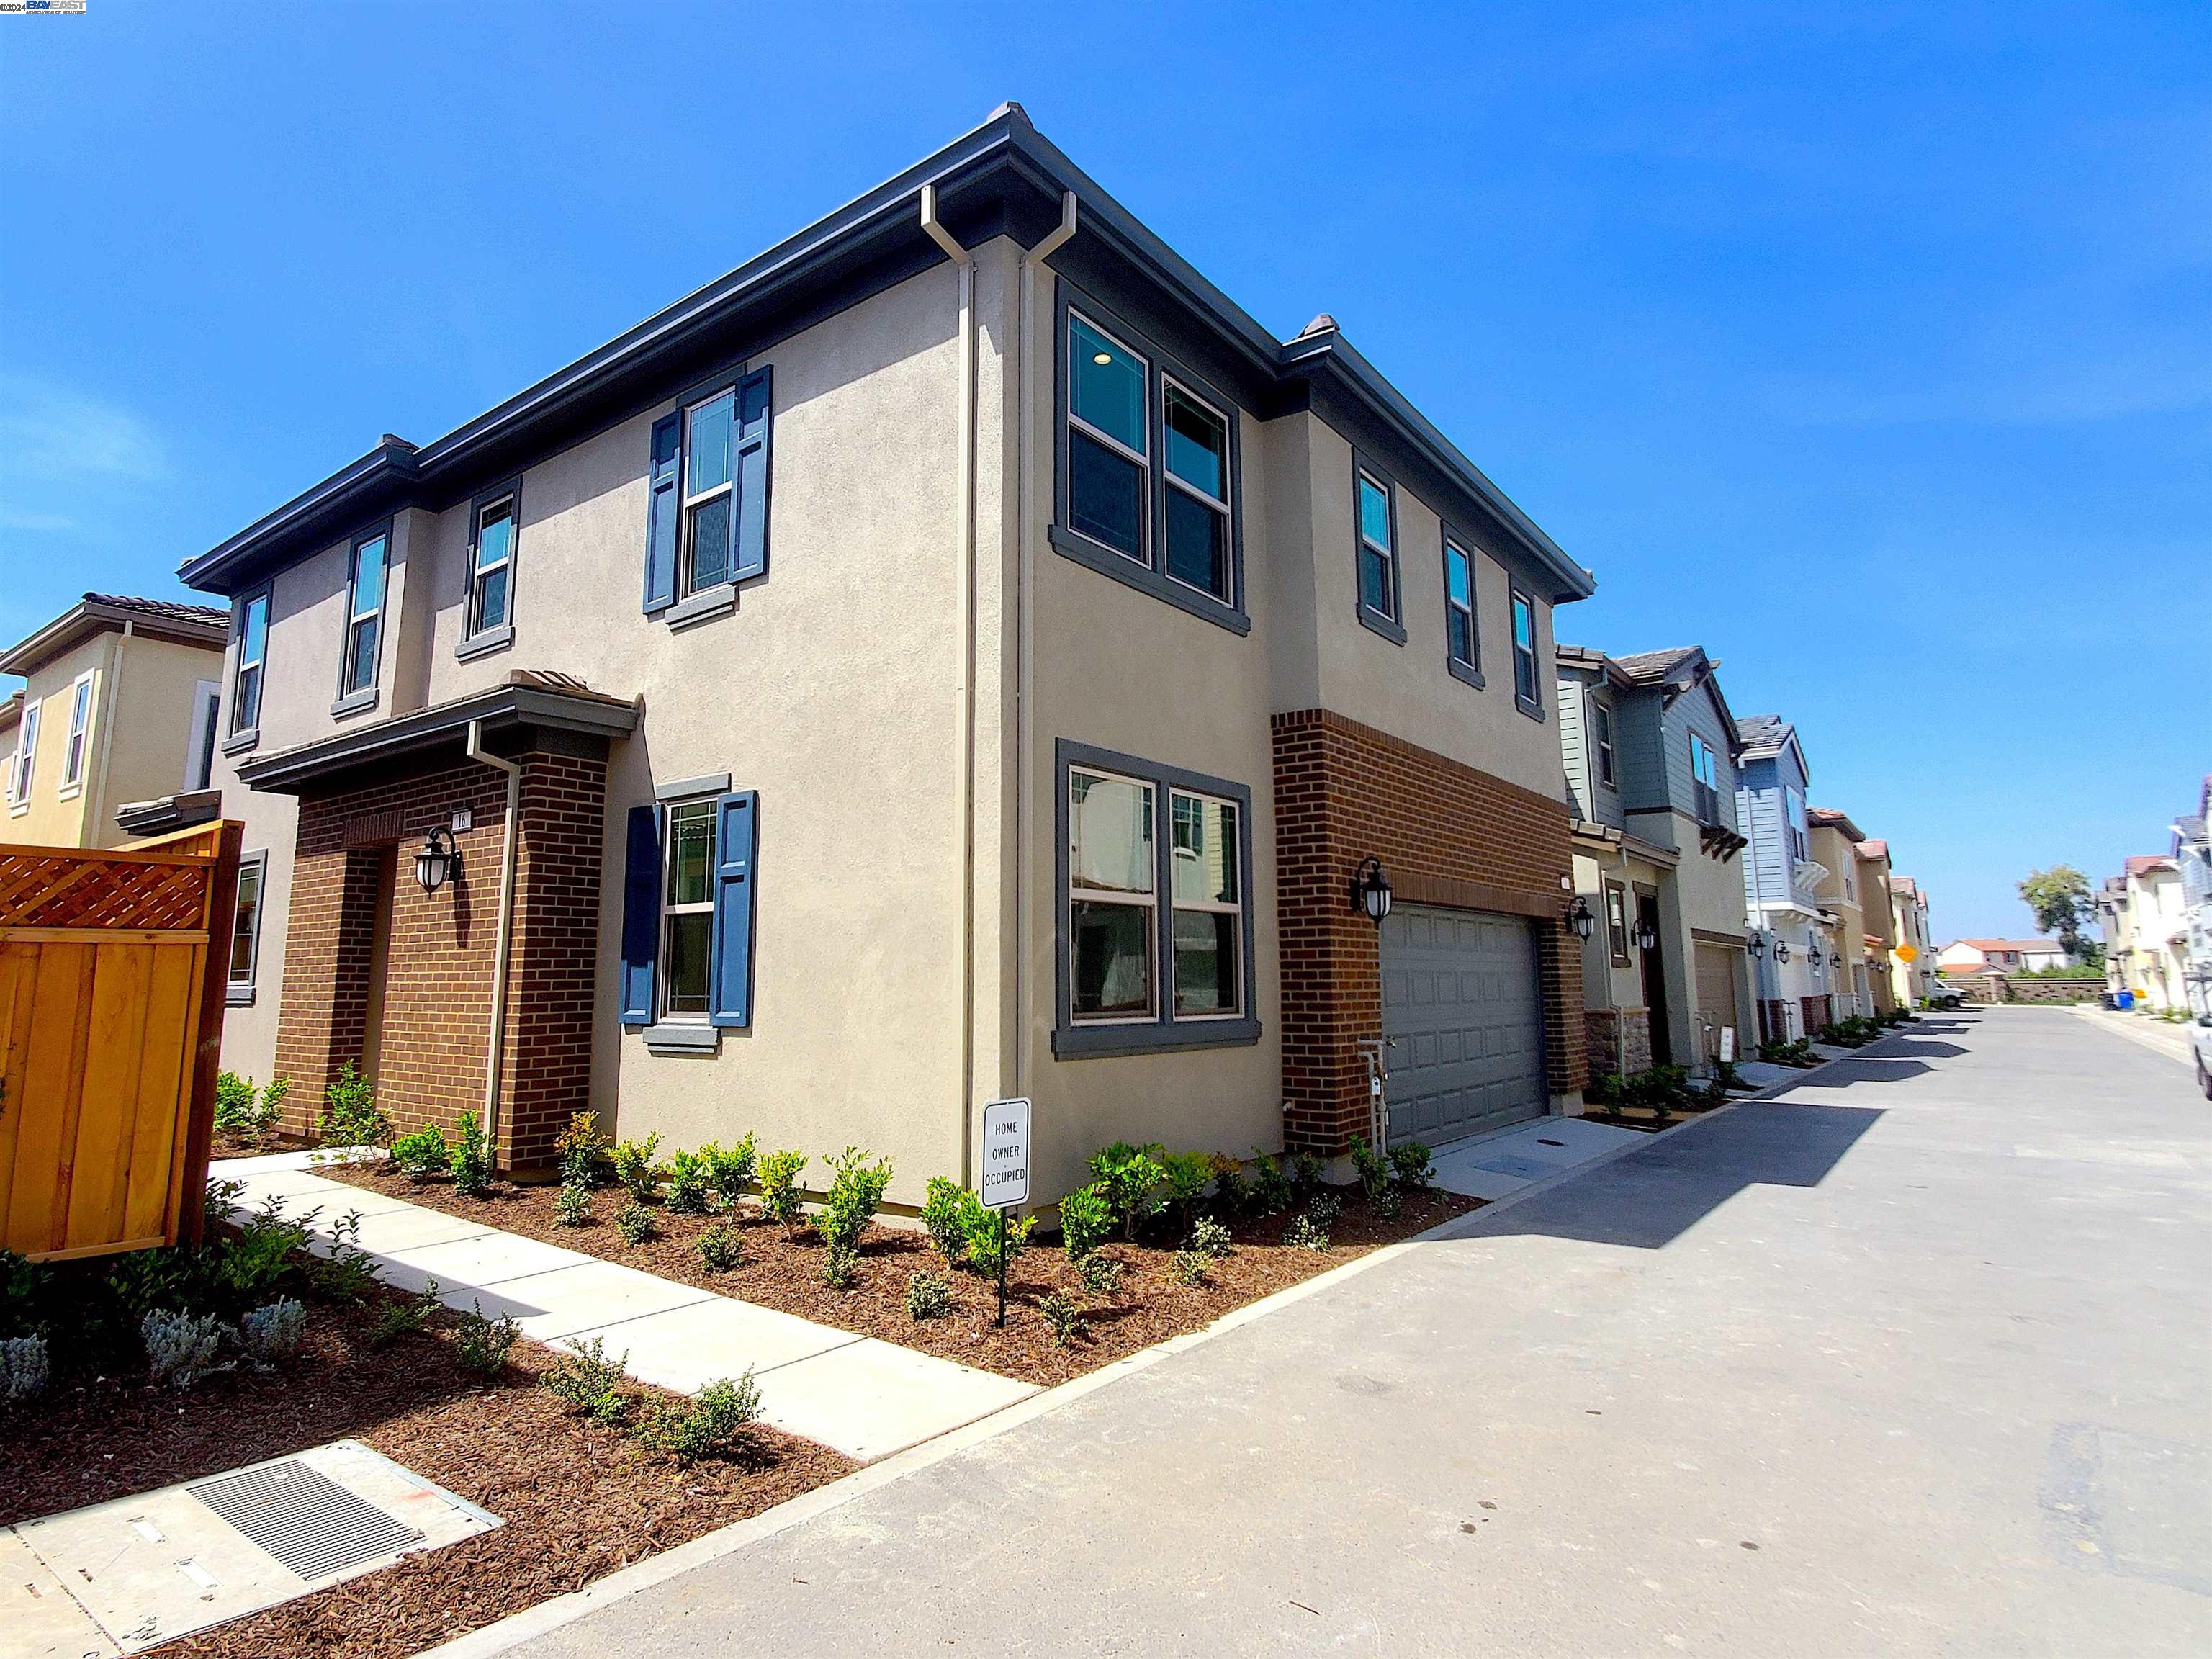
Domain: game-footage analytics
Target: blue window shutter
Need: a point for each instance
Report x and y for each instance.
(754, 418)
(735, 837)
(665, 512)
(641, 915)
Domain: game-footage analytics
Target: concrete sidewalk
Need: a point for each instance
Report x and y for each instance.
(861, 1396)
(2156, 1035)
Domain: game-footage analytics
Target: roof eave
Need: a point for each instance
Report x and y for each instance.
(87, 617)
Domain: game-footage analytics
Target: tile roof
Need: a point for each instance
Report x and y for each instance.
(1874, 849)
(1764, 734)
(1649, 667)
(2011, 944)
(215, 616)
(2143, 863)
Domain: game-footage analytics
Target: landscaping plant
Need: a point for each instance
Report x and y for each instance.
(583, 1152)
(1232, 1193)
(943, 1218)
(272, 1332)
(350, 1117)
(422, 1156)
(1372, 1169)
(482, 1345)
(471, 1160)
(243, 1115)
(928, 1296)
(840, 1262)
(635, 1170)
(1085, 1219)
(707, 1426)
(1186, 1177)
(1065, 1315)
(24, 1367)
(402, 1316)
(1389, 1204)
(688, 1184)
(856, 1192)
(589, 1383)
(1304, 1233)
(181, 1348)
(729, 1173)
(573, 1205)
(985, 1247)
(1325, 1209)
(1306, 1173)
(781, 1198)
(1189, 1267)
(1131, 1177)
(1210, 1238)
(635, 1224)
(720, 1248)
(1412, 1168)
(1271, 1188)
(1100, 1275)
(348, 1270)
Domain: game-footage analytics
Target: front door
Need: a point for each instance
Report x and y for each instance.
(1654, 981)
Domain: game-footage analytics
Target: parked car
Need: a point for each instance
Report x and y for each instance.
(2200, 1038)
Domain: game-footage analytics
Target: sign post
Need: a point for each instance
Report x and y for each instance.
(1005, 1172)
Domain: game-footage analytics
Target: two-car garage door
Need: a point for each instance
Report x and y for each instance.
(1460, 1004)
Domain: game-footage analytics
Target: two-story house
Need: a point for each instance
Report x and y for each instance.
(1913, 949)
(959, 655)
(1877, 989)
(1649, 751)
(1835, 841)
(2144, 914)
(1782, 883)
(2010, 955)
(117, 710)
(2193, 856)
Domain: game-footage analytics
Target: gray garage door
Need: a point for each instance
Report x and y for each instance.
(1460, 1002)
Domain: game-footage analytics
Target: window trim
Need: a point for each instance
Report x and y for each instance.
(1207, 907)
(476, 639)
(1602, 745)
(240, 738)
(1616, 923)
(1148, 576)
(204, 737)
(1390, 624)
(240, 992)
(664, 981)
(1224, 505)
(1531, 703)
(1162, 1032)
(687, 589)
(353, 699)
(1470, 669)
(76, 745)
(23, 773)
(1147, 901)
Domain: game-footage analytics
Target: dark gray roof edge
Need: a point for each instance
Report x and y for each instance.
(167, 812)
(1007, 132)
(95, 613)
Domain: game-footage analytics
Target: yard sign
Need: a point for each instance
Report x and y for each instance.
(1005, 1172)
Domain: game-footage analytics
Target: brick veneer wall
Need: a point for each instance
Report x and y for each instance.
(1815, 1012)
(440, 960)
(1448, 834)
(1617, 1040)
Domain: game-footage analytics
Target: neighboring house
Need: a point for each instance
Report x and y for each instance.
(1877, 992)
(118, 708)
(2192, 854)
(1782, 883)
(2011, 955)
(1916, 978)
(2144, 914)
(1842, 954)
(948, 658)
(1649, 751)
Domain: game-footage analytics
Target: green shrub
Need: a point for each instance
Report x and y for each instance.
(345, 1272)
(636, 1172)
(1325, 1209)
(709, 1426)
(1372, 1169)
(272, 1333)
(1131, 1177)
(1271, 1188)
(729, 1173)
(1210, 1238)
(583, 1153)
(690, 1184)
(589, 1383)
(635, 1224)
(840, 1264)
(928, 1296)
(720, 1248)
(1412, 1168)
(242, 1114)
(402, 1316)
(421, 1155)
(1100, 1275)
(1189, 1267)
(1304, 1233)
(1389, 1204)
(1187, 1177)
(1725, 1074)
(1232, 1193)
(350, 1117)
(471, 1160)
(984, 1245)
(482, 1345)
(24, 1368)
(1085, 1219)
(1306, 1173)
(856, 1192)
(572, 1208)
(182, 1348)
(26, 1289)
(780, 1198)
(1065, 1315)
(943, 1217)
(1604, 1092)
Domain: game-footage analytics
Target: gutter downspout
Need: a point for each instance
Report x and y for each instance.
(111, 700)
(964, 767)
(496, 1049)
(1024, 669)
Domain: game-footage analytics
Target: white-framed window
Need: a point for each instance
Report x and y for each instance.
(1108, 438)
(1524, 652)
(1705, 778)
(1205, 854)
(687, 910)
(709, 492)
(1601, 726)
(26, 763)
(245, 927)
(80, 729)
(1378, 548)
(1793, 805)
(491, 570)
(1112, 897)
(1460, 638)
(364, 614)
(246, 676)
(200, 736)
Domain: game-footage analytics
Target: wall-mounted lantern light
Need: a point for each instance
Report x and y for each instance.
(439, 860)
(1756, 945)
(1370, 891)
(1782, 950)
(1647, 936)
(1813, 956)
(1579, 917)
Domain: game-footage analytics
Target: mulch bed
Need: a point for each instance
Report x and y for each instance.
(783, 1270)
(1644, 1118)
(579, 1501)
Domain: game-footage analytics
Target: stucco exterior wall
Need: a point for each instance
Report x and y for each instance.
(52, 817)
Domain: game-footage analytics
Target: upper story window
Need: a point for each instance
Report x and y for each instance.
(1706, 780)
(199, 759)
(1147, 472)
(364, 615)
(27, 759)
(1524, 654)
(1793, 823)
(80, 728)
(709, 493)
(707, 527)
(246, 674)
(1601, 724)
(1378, 549)
(491, 569)
(1462, 647)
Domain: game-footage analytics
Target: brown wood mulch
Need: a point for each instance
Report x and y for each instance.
(782, 1269)
(1644, 1118)
(579, 1501)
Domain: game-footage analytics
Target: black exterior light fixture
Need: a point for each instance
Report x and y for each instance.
(439, 860)
(1782, 950)
(1756, 945)
(1579, 917)
(1370, 890)
(1647, 936)
(1813, 956)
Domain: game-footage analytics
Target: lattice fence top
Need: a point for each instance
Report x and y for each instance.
(90, 890)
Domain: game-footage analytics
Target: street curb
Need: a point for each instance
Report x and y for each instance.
(2141, 1039)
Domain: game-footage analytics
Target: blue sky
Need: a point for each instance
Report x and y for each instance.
(1868, 347)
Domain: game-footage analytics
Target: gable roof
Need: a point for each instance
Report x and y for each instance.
(96, 613)
(1766, 736)
(1004, 177)
(2021, 944)
(1826, 818)
(1673, 673)
(2142, 864)
(1874, 850)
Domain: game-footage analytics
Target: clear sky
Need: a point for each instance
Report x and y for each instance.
(1869, 347)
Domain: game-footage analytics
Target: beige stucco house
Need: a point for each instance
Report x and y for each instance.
(1912, 947)
(2143, 913)
(1843, 971)
(117, 706)
(959, 655)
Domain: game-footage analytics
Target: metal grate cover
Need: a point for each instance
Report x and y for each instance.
(305, 1520)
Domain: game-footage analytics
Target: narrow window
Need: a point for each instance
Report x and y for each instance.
(199, 755)
(487, 581)
(245, 681)
(80, 724)
(1603, 722)
(1705, 770)
(26, 757)
(1109, 460)
(1616, 924)
(709, 499)
(1524, 650)
(245, 925)
(1209, 907)
(1794, 805)
(1459, 603)
(687, 910)
(1378, 556)
(364, 611)
(1111, 900)
(1197, 513)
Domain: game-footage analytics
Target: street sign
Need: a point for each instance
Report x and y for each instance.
(1906, 953)
(1005, 1154)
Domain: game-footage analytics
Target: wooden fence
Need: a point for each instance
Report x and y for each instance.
(112, 973)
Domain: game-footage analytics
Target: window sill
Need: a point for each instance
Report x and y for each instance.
(239, 741)
(69, 791)
(678, 1037)
(1099, 1041)
(1466, 674)
(706, 603)
(1091, 555)
(1535, 711)
(355, 702)
(16, 808)
(483, 644)
(1376, 622)
(238, 996)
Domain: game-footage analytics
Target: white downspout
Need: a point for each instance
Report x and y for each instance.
(964, 767)
(1026, 818)
(99, 827)
(495, 1051)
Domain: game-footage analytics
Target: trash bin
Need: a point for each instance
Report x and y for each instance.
(2123, 1000)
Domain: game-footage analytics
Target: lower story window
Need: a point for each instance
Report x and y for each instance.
(687, 910)
(1110, 897)
(245, 927)
(1209, 975)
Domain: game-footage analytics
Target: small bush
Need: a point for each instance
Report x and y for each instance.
(25, 1286)
(780, 1200)
(1085, 1219)
(273, 1333)
(1726, 1075)
(422, 1155)
(1210, 1238)
(729, 1173)
(589, 1383)
(1186, 1177)
(720, 1249)
(572, 1208)
(985, 1246)
(482, 1345)
(1232, 1193)
(346, 1273)
(856, 1191)
(707, 1426)
(242, 1114)
(1372, 1169)
(1189, 1267)
(1325, 1208)
(350, 1117)
(583, 1153)
(943, 1217)
(1306, 1173)
(689, 1185)
(1304, 1233)
(1412, 1168)
(1100, 1275)
(1065, 1315)
(1389, 1204)
(471, 1160)
(840, 1263)
(181, 1348)
(928, 1296)
(24, 1367)
(1604, 1093)
(1271, 1188)
(1131, 1177)
(635, 1169)
(402, 1316)
(635, 1224)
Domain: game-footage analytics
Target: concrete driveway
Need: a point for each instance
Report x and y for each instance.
(1917, 1359)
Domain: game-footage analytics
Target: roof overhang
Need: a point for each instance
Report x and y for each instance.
(513, 718)
(169, 812)
(82, 621)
